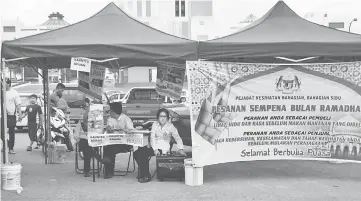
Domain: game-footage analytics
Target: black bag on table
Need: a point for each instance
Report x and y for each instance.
(170, 166)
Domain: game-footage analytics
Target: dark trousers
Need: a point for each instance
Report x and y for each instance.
(32, 131)
(142, 157)
(110, 152)
(88, 153)
(11, 124)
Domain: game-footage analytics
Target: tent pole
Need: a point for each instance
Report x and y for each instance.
(45, 150)
(1, 114)
(47, 114)
(4, 113)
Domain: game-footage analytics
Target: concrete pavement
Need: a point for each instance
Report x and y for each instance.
(259, 180)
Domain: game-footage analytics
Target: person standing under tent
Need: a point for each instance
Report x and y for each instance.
(56, 95)
(32, 111)
(13, 106)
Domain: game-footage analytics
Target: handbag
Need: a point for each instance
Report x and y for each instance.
(170, 166)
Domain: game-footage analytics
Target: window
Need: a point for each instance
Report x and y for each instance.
(114, 97)
(121, 96)
(141, 94)
(73, 97)
(148, 8)
(139, 8)
(201, 22)
(176, 8)
(153, 95)
(180, 8)
(9, 29)
(183, 8)
(150, 75)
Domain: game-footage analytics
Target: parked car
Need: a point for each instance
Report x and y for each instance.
(76, 102)
(15, 80)
(141, 104)
(33, 80)
(111, 92)
(116, 97)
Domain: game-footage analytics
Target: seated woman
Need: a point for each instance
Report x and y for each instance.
(116, 122)
(161, 135)
(84, 147)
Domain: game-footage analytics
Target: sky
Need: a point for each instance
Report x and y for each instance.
(35, 12)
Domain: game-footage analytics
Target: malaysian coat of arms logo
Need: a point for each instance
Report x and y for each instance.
(288, 84)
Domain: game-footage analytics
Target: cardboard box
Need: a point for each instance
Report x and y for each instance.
(57, 153)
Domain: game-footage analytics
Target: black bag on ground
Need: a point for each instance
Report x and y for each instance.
(170, 166)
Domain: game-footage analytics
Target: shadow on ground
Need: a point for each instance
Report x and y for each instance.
(258, 180)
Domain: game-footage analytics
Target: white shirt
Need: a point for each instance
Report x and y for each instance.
(12, 100)
(161, 137)
(123, 122)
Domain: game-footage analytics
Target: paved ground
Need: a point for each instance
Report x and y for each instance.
(262, 180)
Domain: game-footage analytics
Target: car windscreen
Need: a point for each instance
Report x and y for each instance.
(121, 96)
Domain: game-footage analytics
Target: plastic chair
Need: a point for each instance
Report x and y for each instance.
(93, 170)
(127, 170)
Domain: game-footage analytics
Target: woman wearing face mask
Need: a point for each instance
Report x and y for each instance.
(161, 135)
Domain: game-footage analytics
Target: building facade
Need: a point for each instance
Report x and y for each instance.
(14, 29)
(191, 19)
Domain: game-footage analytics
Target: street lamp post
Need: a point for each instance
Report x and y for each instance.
(349, 27)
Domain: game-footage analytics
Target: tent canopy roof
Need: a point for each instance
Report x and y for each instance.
(108, 34)
(281, 32)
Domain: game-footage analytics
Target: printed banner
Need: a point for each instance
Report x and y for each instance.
(80, 64)
(92, 83)
(170, 78)
(96, 140)
(244, 112)
(95, 119)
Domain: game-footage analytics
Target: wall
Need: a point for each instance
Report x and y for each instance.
(161, 15)
(12, 29)
(139, 74)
